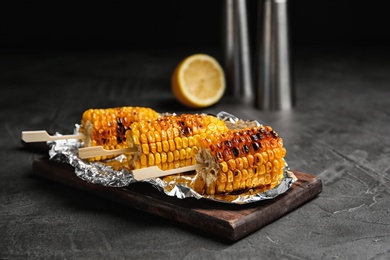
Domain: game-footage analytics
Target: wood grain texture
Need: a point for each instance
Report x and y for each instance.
(228, 221)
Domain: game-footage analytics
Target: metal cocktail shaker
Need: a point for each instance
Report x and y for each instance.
(274, 83)
(237, 54)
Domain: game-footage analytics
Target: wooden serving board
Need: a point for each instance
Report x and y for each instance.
(229, 221)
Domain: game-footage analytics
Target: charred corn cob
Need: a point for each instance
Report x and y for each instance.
(171, 141)
(240, 160)
(107, 127)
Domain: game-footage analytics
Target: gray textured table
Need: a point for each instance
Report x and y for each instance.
(338, 131)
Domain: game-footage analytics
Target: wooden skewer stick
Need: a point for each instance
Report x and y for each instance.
(95, 151)
(154, 171)
(43, 136)
(140, 174)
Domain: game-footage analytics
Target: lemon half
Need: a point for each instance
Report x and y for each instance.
(198, 81)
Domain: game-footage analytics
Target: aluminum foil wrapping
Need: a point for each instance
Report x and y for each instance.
(115, 172)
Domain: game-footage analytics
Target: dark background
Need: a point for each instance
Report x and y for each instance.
(44, 25)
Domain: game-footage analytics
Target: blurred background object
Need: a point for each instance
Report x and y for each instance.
(173, 23)
(178, 24)
(187, 26)
(237, 52)
(274, 86)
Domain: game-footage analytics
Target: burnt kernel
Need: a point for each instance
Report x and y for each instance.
(274, 134)
(119, 139)
(188, 130)
(213, 147)
(119, 121)
(227, 154)
(120, 130)
(236, 151)
(162, 122)
(254, 137)
(260, 136)
(255, 146)
(219, 156)
(228, 143)
(246, 148)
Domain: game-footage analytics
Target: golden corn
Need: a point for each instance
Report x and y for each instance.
(175, 140)
(107, 127)
(240, 160)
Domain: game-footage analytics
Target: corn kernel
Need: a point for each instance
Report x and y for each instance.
(265, 156)
(176, 155)
(150, 159)
(164, 136)
(145, 148)
(222, 177)
(171, 145)
(144, 160)
(153, 147)
(150, 136)
(189, 153)
(230, 176)
(183, 154)
(237, 175)
(232, 164)
(157, 158)
(224, 166)
(239, 163)
(157, 136)
(170, 157)
(178, 143)
(271, 155)
(184, 142)
(165, 145)
(164, 157)
(159, 147)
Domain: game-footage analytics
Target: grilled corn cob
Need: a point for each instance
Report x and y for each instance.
(107, 127)
(240, 160)
(170, 141)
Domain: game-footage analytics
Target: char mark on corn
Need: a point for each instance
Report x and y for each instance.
(170, 141)
(241, 160)
(107, 127)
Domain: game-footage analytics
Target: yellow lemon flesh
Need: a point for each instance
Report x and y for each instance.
(198, 81)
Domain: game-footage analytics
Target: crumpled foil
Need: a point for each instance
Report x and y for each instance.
(115, 172)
